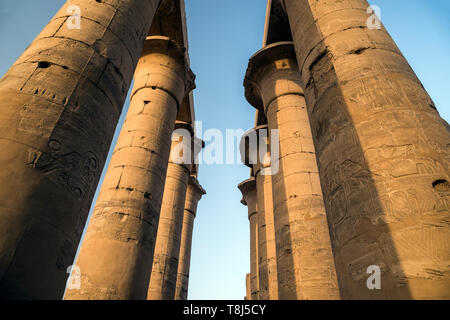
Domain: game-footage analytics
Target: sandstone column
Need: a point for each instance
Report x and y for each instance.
(268, 278)
(164, 271)
(193, 195)
(116, 254)
(60, 104)
(268, 285)
(304, 256)
(249, 198)
(248, 290)
(382, 151)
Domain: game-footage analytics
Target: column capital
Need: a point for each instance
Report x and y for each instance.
(170, 70)
(271, 73)
(248, 190)
(250, 148)
(193, 195)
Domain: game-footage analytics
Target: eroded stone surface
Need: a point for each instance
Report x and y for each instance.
(248, 292)
(116, 255)
(304, 256)
(267, 257)
(249, 198)
(60, 104)
(382, 149)
(193, 195)
(168, 241)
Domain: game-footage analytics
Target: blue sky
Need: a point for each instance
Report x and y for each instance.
(223, 35)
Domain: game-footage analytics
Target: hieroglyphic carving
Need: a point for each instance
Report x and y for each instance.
(74, 171)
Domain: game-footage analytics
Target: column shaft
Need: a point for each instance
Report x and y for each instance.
(163, 278)
(267, 267)
(116, 254)
(60, 104)
(193, 196)
(254, 254)
(255, 153)
(181, 291)
(268, 278)
(382, 151)
(304, 254)
(303, 240)
(264, 205)
(248, 291)
(249, 198)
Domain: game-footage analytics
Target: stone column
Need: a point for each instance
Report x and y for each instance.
(60, 104)
(268, 278)
(163, 277)
(248, 290)
(304, 256)
(193, 195)
(249, 198)
(116, 255)
(382, 151)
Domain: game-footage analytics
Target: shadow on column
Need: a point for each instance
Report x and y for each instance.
(359, 233)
